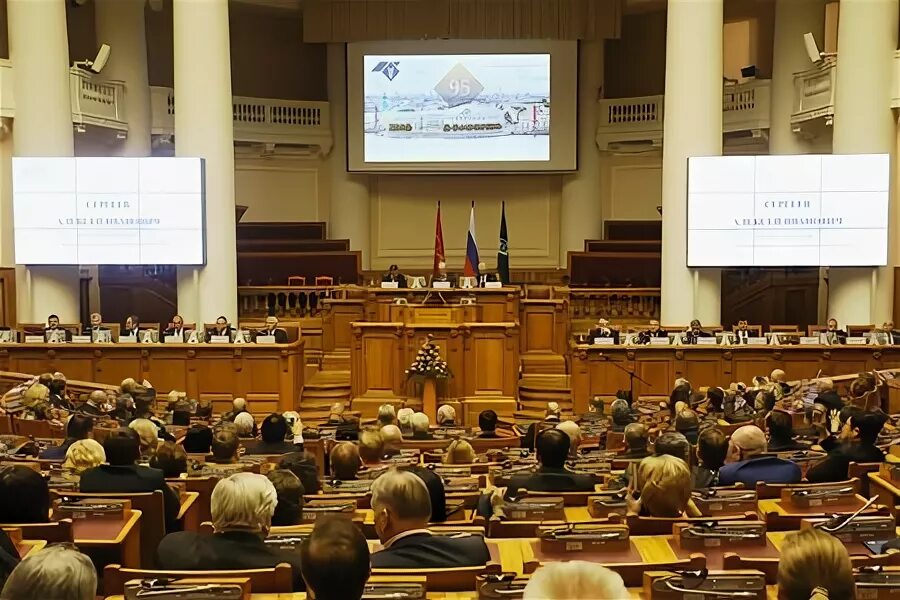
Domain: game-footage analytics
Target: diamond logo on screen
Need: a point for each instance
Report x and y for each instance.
(458, 86)
(388, 69)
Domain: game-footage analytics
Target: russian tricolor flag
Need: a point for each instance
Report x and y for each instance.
(471, 267)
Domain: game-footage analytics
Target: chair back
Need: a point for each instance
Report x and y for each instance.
(324, 280)
(615, 440)
(812, 330)
(861, 471)
(859, 329)
(152, 522)
(276, 580)
(296, 280)
(33, 428)
(6, 425)
(458, 579)
(204, 487)
(54, 532)
(481, 445)
(784, 328)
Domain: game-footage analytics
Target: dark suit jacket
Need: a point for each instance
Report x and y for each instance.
(400, 279)
(769, 469)
(229, 331)
(422, 435)
(191, 551)
(547, 479)
(132, 479)
(423, 551)
(47, 331)
(834, 466)
(831, 400)
(262, 447)
(598, 332)
(281, 336)
(171, 331)
(90, 409)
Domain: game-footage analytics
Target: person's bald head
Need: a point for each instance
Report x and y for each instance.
(777, 376)
(97, 397)
(571, 429)
(391, 435)
(636, 435)
(345, 461)
(239, 404)
(747, 442)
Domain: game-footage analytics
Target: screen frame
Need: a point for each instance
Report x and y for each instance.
(564, 95)
(203, 212)
(687, 214)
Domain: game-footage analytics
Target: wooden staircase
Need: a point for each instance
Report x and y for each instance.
(543, 363)
(321, 391)
(536, 390)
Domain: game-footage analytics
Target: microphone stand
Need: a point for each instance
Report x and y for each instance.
(631, 376)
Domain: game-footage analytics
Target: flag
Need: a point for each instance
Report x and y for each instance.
(503, 252)
(438, 242)
(471, 267)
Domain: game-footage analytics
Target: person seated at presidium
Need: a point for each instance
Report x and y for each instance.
(223, 327)
(552, 449)
(242, 507)
(747, 463)
(394, 275)
(132, 327)
(742, 333)
(272, 329)
(603, 330)
(653, 331)
(335, 560)
(177, 329)
(95, 326)
(833, 334)
(694, 331)
(53, 327)
(402, 509)
(123, 475)
(892, 334)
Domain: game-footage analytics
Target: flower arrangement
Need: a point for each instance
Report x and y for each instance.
(428, 363)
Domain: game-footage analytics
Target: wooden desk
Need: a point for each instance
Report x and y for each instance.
(595, 372)
(110, 540)
(888, 493)
(30, 547)
(261, 373)
(496, 305)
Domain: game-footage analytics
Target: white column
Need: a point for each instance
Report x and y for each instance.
(204, 127)
(692, 127)
(120, 23)
(38, 47)
(863, 123)
(580, 214)
(348, 215)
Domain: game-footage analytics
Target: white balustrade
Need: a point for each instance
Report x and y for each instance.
(97, 102)
(630, 121)
(814, 96)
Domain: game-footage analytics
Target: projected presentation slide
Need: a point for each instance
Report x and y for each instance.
(457, 108)
(108, 211)
(772, 211)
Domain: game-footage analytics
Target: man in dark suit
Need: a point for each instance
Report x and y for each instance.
(272, 329)
(96, 325)
(122, 475)
(242, 506)
(856, 443)
(552, 451)
(274, 430)
(335, 560)
(694, 331)
(79, 427)
(223, 327)
(742, 333)
(52, 329)
(395, 275)
(781, 433)
(603, 330)
(748, 464)
(653, 331)
(177, 329)
(834, 335)
(132, 326)
(402, 508)
(94, 405)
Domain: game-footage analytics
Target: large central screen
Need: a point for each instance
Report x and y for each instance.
(776, 211)
(443, 106)
(108, 211)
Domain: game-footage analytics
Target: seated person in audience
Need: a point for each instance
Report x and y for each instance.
(603, 330)
(621, 413)
(636, 438)
(242, 507)
(812, 559)
(94, 405)
(833, 334)
(392, 440)
(679, 398)
(673, 444)
(387, 415)
(575, 580)
(123, 475)
(24, 496)
(739, 410)
(371, 447)
(712, 448)
(274, 433)
(132, 327)
(653, 331)
(53, 326)
(748, 464)
(223, 327)
(781, 433)
(436, 491)
(404, 421)
(571, 429)
(487, 424)
(402, 508)
(238, 406)
(179, 409)
(714, 409)
(289, 509)
(171, 459)
(446, 416)
(149, 435)
(688, 424)
(742, 333)
(83, 455)
(177, 328)
(828, 397)
(694, 331)
(58, 397)
(553, 413)
(272, 329)
(245, 425)
(856, 443)
(303, 465)
(198, 439)
(459, 452)
(551, 418)
(344, 460)
(36, 403)
(336, 414)
(334, 560)
(123, 412)
(664, 483)
(223, 460)
(394, 275)
(96, 325)
(58, 572)
(552, 476)
(78, 427)
(778, 379)
(420, 426)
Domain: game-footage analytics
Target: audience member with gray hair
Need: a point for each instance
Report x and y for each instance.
(242, 507)
(386, 414)
(404, 420)
(392, 440)
(575, 580)
(636, 438)
(571, 429)
(749, 464)
(402, 509)
(673, 444)
(446, 416)
(420, 426)
(245, 425)
(621, 414)
(55, 573)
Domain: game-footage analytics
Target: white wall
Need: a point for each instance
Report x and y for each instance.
(631, 186)
(281, 189)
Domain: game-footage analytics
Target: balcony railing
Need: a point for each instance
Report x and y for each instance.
(96, 102)
(638, 122)
(258, 120)
(814, 96)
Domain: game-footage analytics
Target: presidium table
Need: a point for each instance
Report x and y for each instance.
(268, 375)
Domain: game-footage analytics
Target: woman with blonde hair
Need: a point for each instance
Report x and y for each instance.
(459, 452)
(665, 484)
(83, 455)
(149, 434)
(813, 559)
